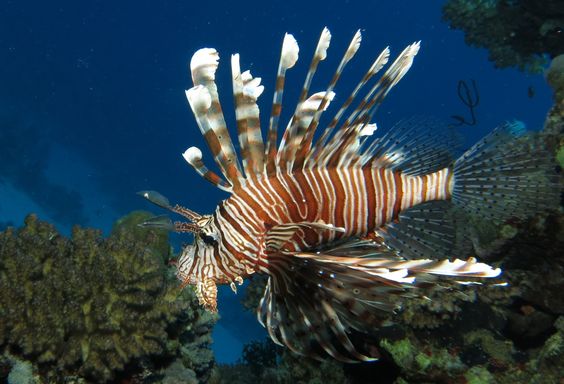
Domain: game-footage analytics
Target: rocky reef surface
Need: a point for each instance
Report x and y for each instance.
(89, 309)
(522, 33)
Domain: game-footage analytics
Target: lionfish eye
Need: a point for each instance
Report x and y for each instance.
(208, 239)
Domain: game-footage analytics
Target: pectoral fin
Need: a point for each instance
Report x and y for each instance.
(313, 301)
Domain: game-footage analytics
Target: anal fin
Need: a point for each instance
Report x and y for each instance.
(428, 230)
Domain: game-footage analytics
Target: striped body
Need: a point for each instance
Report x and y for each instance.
(357, 200)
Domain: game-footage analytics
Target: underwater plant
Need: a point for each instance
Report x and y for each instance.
(470, 99)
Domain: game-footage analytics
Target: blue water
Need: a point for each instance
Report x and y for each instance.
(92, 96)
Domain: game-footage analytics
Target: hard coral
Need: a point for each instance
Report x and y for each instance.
(86, 306)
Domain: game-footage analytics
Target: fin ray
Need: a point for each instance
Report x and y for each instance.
(307, 140)
(498, 178)
(246, 91)
(288, 58)
(204, 100)
(368, 105)
(289, 137)
(345, 293)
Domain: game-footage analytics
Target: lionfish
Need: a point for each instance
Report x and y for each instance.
(341, 223)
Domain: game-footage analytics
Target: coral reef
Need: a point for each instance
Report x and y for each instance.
(422, 362)
(264, 362)
(98, 308)
(515, 33)
(5, 224)
(492, 334)
(439, 307)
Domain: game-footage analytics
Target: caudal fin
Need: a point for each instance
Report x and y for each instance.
(506, 174)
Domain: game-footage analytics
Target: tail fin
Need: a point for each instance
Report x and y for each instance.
(506, 174)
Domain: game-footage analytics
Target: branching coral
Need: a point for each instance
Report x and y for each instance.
(516, 33)
(89, 306)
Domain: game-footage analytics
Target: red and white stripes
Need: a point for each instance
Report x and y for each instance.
(358, 200)
(418, 189)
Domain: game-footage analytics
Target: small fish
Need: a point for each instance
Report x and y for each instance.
(341, 222)
(531, 91)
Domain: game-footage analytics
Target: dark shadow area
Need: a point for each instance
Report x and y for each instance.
(23, 153)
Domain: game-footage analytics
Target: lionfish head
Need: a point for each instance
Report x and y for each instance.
(197, 264)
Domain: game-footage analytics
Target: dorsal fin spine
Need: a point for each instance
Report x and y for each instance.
(378, 64)
(286, 149)
(200, 101)
(389, 79)
(297, 149)
(307, 111)
(366, 109)
(246, 90)
(239, 105)
(203, 66)
(288, 58)
(305, 146)
(193, 156)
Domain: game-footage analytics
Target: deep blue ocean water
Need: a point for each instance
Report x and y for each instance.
(92, 96)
